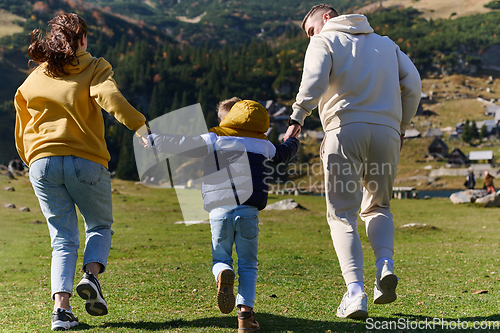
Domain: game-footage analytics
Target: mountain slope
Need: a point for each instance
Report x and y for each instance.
(432, 9)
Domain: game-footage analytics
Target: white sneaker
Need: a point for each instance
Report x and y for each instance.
(89, 289)
(353, 308)
(385, 285)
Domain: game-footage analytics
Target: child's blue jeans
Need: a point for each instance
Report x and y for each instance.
(238, 225)
(60, 183)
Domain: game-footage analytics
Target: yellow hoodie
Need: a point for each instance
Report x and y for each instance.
(62, 116)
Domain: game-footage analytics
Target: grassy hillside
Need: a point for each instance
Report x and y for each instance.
(8, 24)
(221, 22)
(432, 9)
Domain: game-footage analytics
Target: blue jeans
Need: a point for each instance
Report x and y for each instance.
(238, 225)
(60, 182)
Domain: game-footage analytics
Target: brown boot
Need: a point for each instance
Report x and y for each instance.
(246, 321)
(225, 296)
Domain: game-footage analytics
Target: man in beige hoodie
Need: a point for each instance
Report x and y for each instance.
(366, 91)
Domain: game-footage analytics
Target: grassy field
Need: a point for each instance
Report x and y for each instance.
(159, 275)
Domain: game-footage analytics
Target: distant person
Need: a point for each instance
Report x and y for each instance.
(242, 125)
(488, 183)
(60, 136)
(470, 181)
(366, 91)
(15, 165)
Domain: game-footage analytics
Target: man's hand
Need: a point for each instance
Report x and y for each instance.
(292, 131)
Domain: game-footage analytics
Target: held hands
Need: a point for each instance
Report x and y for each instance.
(292, 131)
(143, 140)
(146, 140)
(142, 135)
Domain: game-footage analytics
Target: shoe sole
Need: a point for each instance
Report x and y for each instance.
(225, 295)
(358, 314)
(388, 286)
(95, 305)
(249, 329)
(61, 325)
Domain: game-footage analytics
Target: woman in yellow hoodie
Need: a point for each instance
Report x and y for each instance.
(60, 136)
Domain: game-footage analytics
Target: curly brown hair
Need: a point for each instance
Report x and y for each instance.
(59, 47)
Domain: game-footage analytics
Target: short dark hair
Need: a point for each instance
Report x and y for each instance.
(321, 7)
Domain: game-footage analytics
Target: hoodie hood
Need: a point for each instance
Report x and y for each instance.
(84, 60)
(353, 24)
(246, 118)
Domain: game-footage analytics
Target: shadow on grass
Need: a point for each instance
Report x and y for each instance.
(276, 323)
(268, 322)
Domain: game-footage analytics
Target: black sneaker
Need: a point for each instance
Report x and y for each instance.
(63, 320)
(89, 289)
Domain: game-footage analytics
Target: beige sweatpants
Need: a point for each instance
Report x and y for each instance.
(360, 161)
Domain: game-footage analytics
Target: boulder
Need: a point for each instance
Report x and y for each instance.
(9, 175)
(490, 200)
(467, 196)
(287, 204)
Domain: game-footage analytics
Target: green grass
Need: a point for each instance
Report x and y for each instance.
(156, 265)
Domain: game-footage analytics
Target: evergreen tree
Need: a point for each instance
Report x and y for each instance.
(157, 105)
(184, 100)
(126, 168)
(175, 103)
(466, 132)
(225, 93)
(484, 131)
(474, 131)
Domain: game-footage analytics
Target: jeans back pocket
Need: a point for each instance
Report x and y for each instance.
(249, 226)
(86, 171)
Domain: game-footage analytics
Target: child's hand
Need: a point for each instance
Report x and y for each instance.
(144, 141)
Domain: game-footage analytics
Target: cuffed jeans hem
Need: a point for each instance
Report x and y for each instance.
(383, 252)
(353, 276)
(103, 265)
(241, 301)
(61, 291)
(219, 267)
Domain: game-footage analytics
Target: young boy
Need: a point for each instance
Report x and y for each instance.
(233, 198)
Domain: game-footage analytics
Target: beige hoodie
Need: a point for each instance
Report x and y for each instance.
(354, 75)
